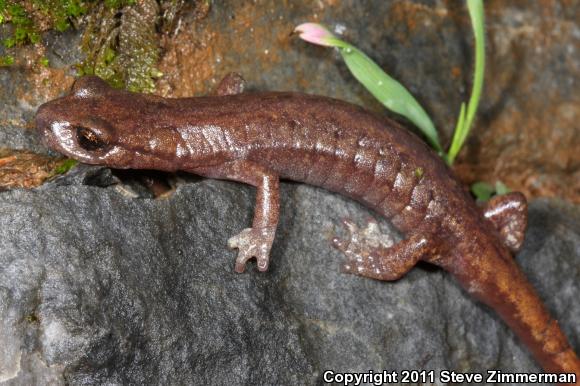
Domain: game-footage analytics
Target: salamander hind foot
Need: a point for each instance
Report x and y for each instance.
(372, 254)
(253, 242)
(361, 248)
(508, 213)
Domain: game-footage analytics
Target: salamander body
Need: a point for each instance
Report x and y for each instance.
(259, 138)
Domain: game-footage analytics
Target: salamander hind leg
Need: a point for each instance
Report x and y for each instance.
(508, 213)
(373, 255)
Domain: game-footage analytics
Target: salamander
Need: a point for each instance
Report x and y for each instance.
(259, 138)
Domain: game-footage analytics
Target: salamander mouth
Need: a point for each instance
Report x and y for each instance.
(76, 142)
(84, 138)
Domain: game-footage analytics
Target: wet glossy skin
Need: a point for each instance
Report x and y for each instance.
(262, 137)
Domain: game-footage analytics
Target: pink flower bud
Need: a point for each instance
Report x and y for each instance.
(315, 33)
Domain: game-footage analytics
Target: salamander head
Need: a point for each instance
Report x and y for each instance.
(97, 124)
(66, 125)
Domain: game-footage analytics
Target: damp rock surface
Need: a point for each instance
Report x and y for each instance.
(99, 288)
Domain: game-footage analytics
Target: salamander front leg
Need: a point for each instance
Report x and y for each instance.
(257, 240)
(377, 258)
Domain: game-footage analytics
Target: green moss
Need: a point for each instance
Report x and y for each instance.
(118, 3)
(120, 38)
(61, 12)
(65, 166)
(25, 17)
(23, 26)
(6, 60)
(122, 44)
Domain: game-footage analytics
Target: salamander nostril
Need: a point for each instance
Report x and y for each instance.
(88, 139)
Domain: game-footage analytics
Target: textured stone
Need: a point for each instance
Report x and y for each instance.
(99, 288)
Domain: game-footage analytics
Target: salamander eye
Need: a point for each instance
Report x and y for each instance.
(90, 139)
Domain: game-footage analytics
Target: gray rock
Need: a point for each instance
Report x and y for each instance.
(99, 288)
(15, 138)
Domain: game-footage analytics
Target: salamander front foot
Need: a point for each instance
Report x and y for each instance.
(253, 242)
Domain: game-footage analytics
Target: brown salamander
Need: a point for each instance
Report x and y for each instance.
(259, 138)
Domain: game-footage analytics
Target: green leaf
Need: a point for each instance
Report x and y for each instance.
(466, 118)
(387, 90)
(457, 134)
(477, 21)
(392, 94)
(482, 190)
(501, 188)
